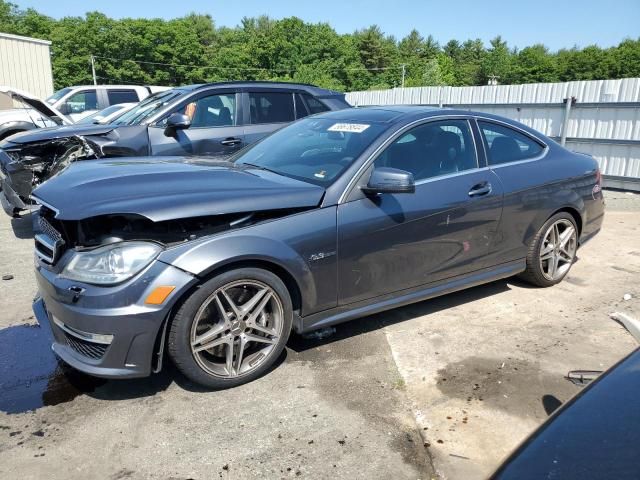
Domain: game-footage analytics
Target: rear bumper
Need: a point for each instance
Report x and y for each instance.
(107, 331)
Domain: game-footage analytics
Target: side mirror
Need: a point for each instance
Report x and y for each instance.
(389, 180)
(176, 121)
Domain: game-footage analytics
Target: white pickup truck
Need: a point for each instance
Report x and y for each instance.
(66, 106)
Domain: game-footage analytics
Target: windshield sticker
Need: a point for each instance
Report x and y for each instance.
(348, 127)
(320, 174)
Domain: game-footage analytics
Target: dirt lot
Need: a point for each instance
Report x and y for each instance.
(444, 388)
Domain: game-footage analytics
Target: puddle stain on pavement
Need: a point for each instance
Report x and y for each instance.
(30, 374)
(512, 385)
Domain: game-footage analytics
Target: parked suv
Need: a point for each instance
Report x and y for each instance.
(69, 105)
(213, 119)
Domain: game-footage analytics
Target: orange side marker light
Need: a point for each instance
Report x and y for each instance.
(159, 295)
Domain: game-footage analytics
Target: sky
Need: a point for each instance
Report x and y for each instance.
(555, 23)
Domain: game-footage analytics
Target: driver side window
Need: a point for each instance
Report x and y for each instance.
(212, 111)
(81, 102)
(432, 149)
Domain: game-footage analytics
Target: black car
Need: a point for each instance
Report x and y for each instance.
(334, 217)
(214, 119)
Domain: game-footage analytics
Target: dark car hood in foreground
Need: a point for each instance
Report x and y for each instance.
(43, 134)
(165, 188)
(595, 435)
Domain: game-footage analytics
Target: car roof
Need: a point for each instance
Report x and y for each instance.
(383, 114)
(311, 89)
(404, 114)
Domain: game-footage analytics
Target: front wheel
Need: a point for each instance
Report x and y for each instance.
(232, 329)
(552, 251)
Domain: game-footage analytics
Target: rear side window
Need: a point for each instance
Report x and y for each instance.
(505, 144)
(122, 96)
(271, 107)
(315, 105)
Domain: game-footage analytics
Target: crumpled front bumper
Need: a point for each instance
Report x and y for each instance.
(107, 331)
(9, 198)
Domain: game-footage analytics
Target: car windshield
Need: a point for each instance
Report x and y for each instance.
(315, 150)
(57, 95)
(148, 107)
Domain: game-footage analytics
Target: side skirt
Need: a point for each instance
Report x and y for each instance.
(363, 308)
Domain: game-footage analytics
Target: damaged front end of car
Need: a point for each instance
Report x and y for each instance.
(25, 166)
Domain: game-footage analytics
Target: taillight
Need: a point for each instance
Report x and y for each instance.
(597, 188)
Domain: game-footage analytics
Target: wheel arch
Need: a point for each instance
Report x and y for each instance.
(10, 128)
(574, 213)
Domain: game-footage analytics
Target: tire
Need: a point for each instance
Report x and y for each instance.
(546, 249)
(252, 332)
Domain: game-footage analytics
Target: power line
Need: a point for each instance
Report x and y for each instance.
(252, 69)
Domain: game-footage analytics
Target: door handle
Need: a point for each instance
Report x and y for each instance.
(480, 189)
(231, 141)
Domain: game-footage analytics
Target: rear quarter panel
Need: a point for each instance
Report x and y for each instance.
(534, 190)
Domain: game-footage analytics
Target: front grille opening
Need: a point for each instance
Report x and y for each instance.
(49, 242)
(86, 348)
(45, 251)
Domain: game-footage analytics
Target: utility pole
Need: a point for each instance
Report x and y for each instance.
(404, 67)
(93, 69)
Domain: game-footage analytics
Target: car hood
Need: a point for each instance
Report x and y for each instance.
(37, 104)
(166, 188)
(53, 133)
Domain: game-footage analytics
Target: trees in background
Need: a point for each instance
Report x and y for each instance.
(192, 49)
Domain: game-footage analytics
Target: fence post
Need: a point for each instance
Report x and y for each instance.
(568, 103)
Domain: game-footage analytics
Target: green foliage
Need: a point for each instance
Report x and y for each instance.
(192, 49)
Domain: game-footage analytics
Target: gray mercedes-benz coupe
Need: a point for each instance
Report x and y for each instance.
(334, 217)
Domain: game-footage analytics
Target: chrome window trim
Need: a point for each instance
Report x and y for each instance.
(451, 175)
(371, 158)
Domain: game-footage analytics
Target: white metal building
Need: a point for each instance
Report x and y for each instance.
(25, 63)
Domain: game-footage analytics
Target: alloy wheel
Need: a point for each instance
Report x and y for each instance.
(236, 328)
(558, 249)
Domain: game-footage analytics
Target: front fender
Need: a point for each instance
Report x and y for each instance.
(301, 244)
(218, 252)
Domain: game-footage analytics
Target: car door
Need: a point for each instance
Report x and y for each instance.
(214, 129)
(391, 242)
(267, 111)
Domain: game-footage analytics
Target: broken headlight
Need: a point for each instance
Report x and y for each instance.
(111, 264)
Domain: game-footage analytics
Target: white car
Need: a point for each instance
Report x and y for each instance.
(66, 106)
(104, 117)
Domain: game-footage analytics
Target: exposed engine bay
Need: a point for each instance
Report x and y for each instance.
(107, 229)
(43, 160)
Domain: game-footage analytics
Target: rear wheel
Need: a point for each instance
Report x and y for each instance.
(232, 329)
(552, 251)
